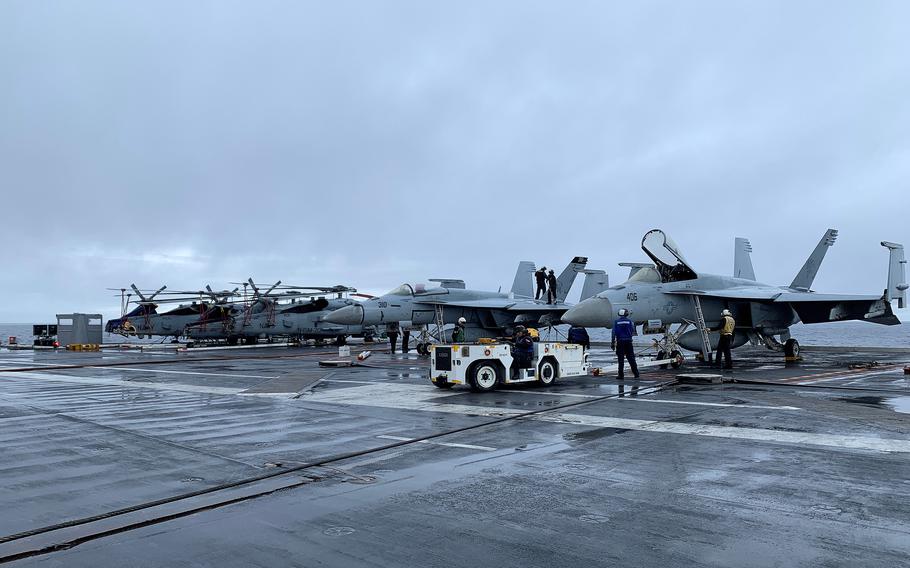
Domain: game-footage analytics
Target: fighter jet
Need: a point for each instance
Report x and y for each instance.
(670, 291)
(488, 314)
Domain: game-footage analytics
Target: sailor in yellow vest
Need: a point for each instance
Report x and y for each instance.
(726, 328)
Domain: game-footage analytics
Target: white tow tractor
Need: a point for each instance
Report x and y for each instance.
(483, 366)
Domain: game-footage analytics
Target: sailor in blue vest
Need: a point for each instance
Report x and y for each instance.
(621, 341)
(523, 348)
(580, 336)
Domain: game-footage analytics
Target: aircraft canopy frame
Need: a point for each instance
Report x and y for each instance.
(671, 264)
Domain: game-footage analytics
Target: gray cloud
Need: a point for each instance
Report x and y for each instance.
(373, 143)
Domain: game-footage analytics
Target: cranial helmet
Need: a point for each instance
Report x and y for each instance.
(726, 312)
(462, 321)
(623, 312)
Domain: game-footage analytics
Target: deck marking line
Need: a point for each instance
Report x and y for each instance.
(721, 404)
(447, 444)
(185, 372)
(413, 397)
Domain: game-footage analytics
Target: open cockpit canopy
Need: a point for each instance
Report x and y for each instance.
(670, 263)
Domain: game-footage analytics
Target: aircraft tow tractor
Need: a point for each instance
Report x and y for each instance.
(484, 366)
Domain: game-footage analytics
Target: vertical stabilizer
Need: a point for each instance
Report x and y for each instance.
(523, 285)
(635, 267)
(742, 260)
(567, 278)
(806, 274)
(897, 274)
(596, 281)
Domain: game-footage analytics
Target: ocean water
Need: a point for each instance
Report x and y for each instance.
(847, 334)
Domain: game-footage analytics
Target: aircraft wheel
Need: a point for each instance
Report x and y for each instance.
(662, 355)
(677, 359)
(791, 348)
(341, 340)
(547, 373)
(420, 349)
(232, 340)
(483, 376)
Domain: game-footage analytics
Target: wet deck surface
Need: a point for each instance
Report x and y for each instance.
(801, 464)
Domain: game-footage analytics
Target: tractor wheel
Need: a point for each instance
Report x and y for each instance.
(547, 373)
(483, 376)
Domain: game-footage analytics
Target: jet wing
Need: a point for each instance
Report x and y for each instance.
(486, 303)
(756, 294)
(809, 306)
(813, 297)
(503, 304)
(819, 308)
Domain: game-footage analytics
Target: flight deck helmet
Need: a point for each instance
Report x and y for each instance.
(726, 312)
(623, 312)
(462, 321)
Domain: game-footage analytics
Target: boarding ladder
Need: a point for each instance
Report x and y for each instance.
(440, 324)
(703, 329)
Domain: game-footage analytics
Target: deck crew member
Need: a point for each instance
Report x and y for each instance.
(405, 339)
(541, 277)
(621, 341)
(392, 331)
(579, 335)
(458, 332)
(726, 328)
(552, 285)
(523, 348)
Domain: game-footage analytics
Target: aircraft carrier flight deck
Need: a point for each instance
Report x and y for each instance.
(262, 457)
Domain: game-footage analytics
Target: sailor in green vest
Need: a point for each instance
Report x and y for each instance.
(458, 332)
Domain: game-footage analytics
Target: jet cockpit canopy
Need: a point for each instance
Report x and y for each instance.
(417, 290)
(403, 290)
(670, 263)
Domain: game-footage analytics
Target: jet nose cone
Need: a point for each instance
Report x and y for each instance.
(593, 312)
(348, 315)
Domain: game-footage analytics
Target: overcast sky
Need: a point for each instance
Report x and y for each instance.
(371, 143)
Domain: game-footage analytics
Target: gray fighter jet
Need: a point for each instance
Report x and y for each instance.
(488, 314)
(670, 291)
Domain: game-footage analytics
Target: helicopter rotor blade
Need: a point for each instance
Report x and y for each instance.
(138, 293)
